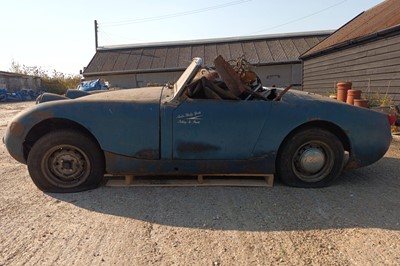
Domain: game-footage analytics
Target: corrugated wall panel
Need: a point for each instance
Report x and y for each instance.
(96, 65)
(110, 62)
(134, 59)
(263, 51)
(223, 50)
(185, 56)
(277, 50)
(289, 48)
(210, 53)
(122, 60)
(312, 41)
(372, 67)
(198, 51)
(146, 59)
(250, 53)
(236, 50)
(301, 45)
(159, 58)
(172, 57)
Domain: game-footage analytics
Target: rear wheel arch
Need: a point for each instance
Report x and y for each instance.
(51, 125)
(312, 155)
(335, 129)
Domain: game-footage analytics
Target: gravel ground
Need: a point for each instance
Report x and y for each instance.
(354, 222)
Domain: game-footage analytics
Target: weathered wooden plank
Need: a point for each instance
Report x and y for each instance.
(380, 44)
(325, 90)
(367, 46)
(363, 57)
(380, 87)
(391, 71)
(388, 72)
(249, 180)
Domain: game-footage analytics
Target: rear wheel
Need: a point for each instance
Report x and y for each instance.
(66, 161)
(310, 158)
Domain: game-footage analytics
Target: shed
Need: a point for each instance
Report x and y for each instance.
(275, 57)
(365, 51)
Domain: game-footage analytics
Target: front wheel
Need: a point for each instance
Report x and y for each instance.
(310, 158)
(66, 161)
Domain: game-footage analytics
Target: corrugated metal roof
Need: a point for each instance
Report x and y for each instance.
(172, 56)
(380, 18)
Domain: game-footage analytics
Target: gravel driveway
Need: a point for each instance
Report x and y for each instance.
(354, 222)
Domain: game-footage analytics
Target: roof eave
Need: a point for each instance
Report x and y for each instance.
(132, 71)
(363, 39)
(217, 40)
(175, 69)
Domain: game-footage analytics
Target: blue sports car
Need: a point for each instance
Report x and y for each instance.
(211, 121)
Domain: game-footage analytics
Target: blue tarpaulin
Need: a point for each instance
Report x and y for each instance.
(92, 85)
(18, 96)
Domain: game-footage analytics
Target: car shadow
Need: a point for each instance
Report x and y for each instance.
(368, 198)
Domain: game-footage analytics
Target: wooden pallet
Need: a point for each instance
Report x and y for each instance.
(249, 180)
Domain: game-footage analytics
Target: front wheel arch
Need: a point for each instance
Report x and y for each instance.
(51, 125)
(66, 161)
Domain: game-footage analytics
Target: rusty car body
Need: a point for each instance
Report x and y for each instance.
(305, 139)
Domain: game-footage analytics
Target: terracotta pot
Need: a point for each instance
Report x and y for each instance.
(342, 88)
(361, 103)
(353, 94)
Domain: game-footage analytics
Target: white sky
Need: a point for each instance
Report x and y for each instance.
(55, 34)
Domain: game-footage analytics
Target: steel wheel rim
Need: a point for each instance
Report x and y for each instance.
(313, 161)
(66, 166)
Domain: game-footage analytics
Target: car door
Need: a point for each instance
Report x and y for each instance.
(217, 129)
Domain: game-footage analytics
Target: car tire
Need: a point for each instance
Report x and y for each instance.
(310, 158)
(66, 161)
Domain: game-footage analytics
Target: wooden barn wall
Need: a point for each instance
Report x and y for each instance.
(373, 68)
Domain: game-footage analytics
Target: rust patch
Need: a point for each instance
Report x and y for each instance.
(229, 76)
(42, 115)
(16, 129)
(147, 154)
(351, 164)
(193, 147)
